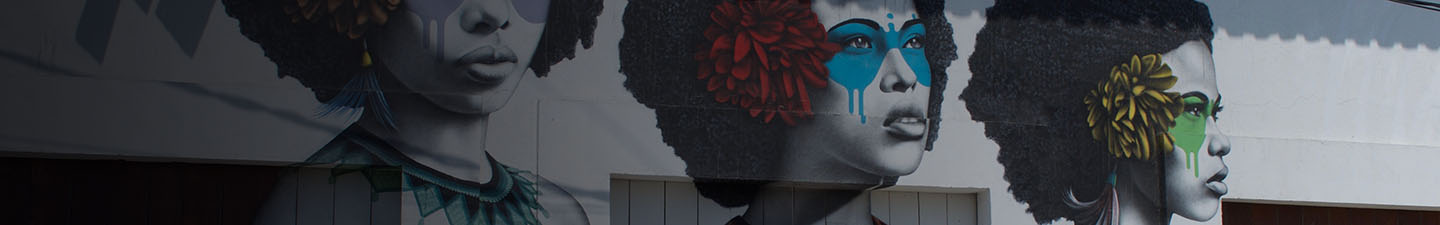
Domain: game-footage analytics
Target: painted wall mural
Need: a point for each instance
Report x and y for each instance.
(846, 93)
(762, 111)
(1105, 112)
(424, 95)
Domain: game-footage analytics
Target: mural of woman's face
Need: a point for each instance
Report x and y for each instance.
(871, 115)
(1195, 170)
(465, 56)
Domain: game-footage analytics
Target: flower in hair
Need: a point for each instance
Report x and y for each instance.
(349, 17)
(765, 56)
(1131, 112)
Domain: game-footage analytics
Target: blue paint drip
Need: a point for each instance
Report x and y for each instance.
(862, 105)
(852, 101)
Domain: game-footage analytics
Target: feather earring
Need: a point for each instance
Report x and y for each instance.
(362, 91)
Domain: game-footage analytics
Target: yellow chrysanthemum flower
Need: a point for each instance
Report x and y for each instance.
(1131, 112)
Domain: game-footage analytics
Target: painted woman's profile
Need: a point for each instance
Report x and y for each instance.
(1105, 111)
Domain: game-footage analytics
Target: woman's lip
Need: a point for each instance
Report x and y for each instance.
(488, 55)
(1216, 183)
(488, 73)
(905, 122)
(905, 128)
(488, 64)
(1218, 187)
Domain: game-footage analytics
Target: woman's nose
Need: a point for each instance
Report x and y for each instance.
(895, 73)
(485, 16)
(1219, 142)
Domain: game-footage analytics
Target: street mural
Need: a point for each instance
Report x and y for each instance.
(1105, 111)
(845, 93)
(423, 77)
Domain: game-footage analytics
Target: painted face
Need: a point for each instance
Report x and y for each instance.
(1195, 170)
(871, 115)
(463, 56)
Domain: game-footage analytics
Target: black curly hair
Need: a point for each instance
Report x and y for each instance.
(325, 60)
(1033, 64)
(729, 154)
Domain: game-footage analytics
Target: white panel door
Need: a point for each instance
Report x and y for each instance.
(962, 209)
(647, 203)
(619, 202)
(681, 206)
(932, 208)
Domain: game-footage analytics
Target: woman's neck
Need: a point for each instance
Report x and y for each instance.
(448, 142)
(1139, 199)
(807, 205)
(801, 161)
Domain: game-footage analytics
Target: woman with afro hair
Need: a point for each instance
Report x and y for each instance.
(791, 105)
(1105, 111)
(423, 76)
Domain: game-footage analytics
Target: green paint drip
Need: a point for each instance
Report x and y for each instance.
(1189, 132)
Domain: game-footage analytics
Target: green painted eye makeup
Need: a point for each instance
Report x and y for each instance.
(1189, 129)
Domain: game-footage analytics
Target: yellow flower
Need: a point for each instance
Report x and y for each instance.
(1131, 112)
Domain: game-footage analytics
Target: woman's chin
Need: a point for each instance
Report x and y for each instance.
(897, 162)
(1202, 210)
(482, 104)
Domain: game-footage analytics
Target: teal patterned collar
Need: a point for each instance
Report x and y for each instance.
(508, 198)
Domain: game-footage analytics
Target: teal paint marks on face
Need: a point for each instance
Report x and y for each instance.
(855, 66)
(1189, 130)
(914, 51)
(866, 45)
(434, 12)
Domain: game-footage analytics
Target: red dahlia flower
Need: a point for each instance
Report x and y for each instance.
(765, 56)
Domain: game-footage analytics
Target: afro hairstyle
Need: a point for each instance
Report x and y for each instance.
(1033, 64)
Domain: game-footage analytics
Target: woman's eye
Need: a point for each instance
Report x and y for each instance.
(1194, 110)
(858, 42)
(1216, 114)
(913, 43)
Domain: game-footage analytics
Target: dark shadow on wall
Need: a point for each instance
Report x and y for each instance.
(64, 191)
(1387, 23)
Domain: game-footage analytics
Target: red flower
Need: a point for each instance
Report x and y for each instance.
(765, 57)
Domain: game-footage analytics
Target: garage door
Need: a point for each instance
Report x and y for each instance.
(652, 202)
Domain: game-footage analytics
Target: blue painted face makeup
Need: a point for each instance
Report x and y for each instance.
(866, 46)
